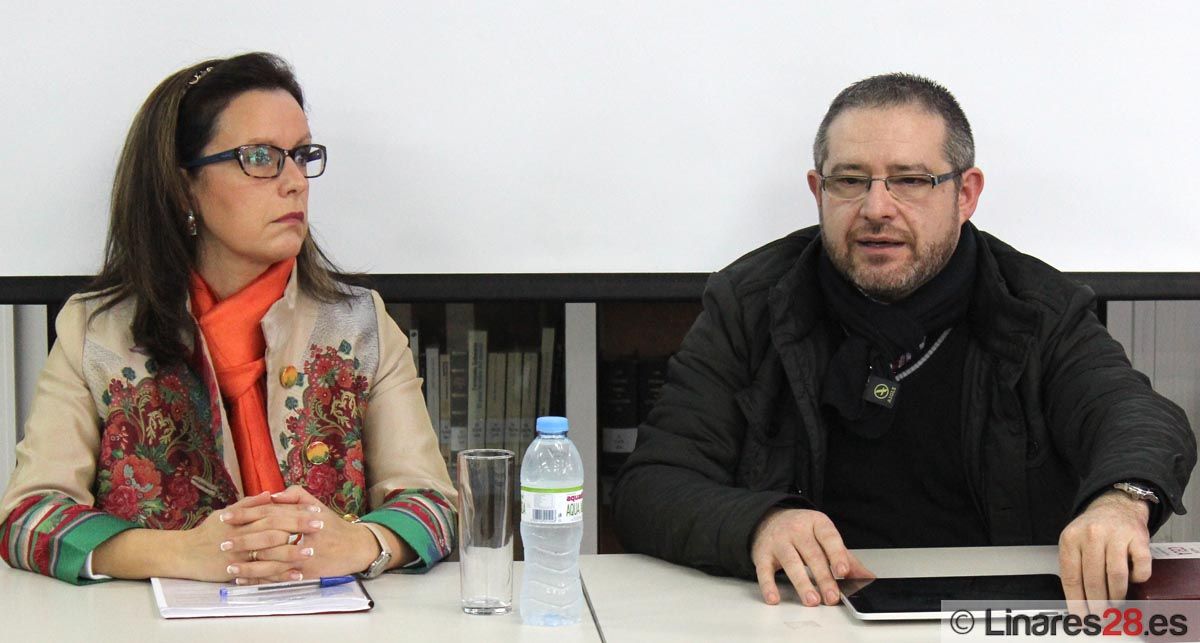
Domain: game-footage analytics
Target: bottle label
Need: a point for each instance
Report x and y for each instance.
(544, 506)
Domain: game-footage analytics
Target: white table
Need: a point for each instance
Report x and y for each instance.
(638, 598)
(414, 608)
(635, 598)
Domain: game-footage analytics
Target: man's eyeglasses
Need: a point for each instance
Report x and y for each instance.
(906, 187)
(263, 161)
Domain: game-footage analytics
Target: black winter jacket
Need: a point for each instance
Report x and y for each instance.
(1052, 414)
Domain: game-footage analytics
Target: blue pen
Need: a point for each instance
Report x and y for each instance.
(328, 581)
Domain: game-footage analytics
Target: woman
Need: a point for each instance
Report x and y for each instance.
(219, 406)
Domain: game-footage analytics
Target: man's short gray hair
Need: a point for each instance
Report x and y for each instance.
(894, 90)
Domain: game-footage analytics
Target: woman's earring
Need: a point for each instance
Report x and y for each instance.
(191, 223)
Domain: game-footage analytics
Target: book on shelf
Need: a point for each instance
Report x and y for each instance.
(651, 377)
(481, 398)
(458, 403)
(414, 347)
(460, 319)
(445, 441)
(558, 384)
(546, 372)
(433, 399)
(626, 391)
(497, 372)
(617, 411)
(403, 316)
(513, 362)
(529, 389)
(477, 362)
(527, 417)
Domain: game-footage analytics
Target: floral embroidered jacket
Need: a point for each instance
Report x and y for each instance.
(114, 441)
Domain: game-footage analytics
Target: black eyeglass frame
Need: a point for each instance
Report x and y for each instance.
(238, 154)
(934, 180)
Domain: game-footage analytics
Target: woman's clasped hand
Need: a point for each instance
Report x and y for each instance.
(285, 536)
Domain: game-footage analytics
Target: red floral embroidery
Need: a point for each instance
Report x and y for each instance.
(295, 465)
(322, 480)
(181, 493)
(320, 396)
(181, 496)
(324, 432)
(354, 466)
(117, 438)
(139, 474)
(122, 502)
(157, 437)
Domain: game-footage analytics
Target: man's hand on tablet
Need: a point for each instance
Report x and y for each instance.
(791, 539)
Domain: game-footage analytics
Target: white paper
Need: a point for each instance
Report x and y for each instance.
(178, 598)
(1174, 550)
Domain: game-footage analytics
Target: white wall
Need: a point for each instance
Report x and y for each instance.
(619, 136)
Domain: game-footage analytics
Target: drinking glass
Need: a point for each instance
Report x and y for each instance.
(485, 493)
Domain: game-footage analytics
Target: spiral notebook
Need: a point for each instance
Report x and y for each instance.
(178, 598)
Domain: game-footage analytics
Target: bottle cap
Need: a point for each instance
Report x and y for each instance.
(552, 424)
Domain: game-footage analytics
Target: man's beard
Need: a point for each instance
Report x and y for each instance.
(897, 283)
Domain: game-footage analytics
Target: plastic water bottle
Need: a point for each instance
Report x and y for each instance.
(551, 527)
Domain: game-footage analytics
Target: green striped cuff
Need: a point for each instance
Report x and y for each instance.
(77, 543)
(409, 529)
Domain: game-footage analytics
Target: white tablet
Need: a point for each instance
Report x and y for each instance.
(921, 597)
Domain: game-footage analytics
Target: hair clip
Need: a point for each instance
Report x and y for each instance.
(198, 75)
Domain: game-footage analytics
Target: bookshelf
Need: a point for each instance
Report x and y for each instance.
(488, 370)
(586, 345)
(602, 317)
(634, 341)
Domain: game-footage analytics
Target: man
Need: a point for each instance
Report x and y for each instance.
(897, 378)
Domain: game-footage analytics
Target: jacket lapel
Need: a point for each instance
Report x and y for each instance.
(287, 327)
(220, 421)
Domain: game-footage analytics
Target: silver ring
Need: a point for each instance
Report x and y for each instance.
(253, 555)
(293, 539)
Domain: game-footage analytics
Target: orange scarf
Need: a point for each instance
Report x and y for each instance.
(235, 340)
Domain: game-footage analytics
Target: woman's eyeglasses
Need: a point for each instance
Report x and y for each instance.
(263, 161)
